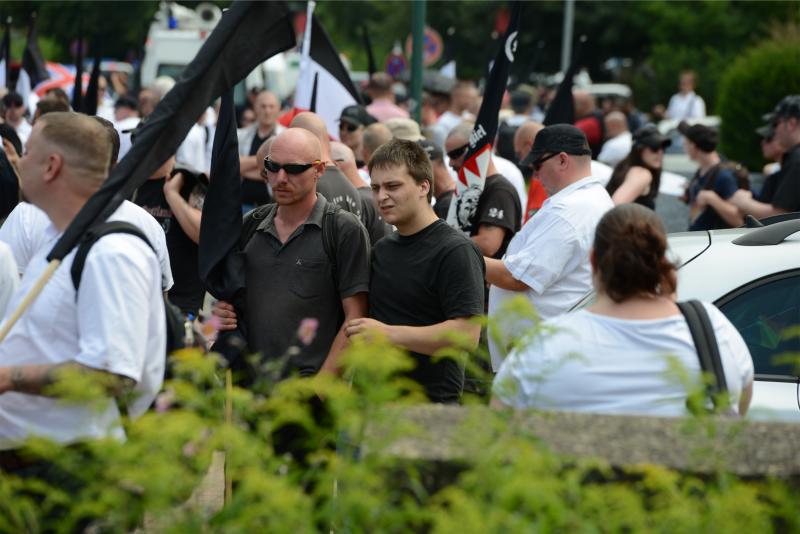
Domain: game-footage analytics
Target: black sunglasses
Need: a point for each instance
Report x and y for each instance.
(290, 168)
(458, 152)
(538, 163)
(347, 126)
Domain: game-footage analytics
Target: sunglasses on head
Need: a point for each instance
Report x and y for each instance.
(539, 162)
(458, 152)
(347, 126)
(290, 168)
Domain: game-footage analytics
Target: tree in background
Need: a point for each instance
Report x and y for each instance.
(752, 86)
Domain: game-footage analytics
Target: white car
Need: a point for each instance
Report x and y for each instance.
(753, 276)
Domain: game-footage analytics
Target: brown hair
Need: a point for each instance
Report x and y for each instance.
(630, 244)
(113, 137)
(401, 152)
(82, 141)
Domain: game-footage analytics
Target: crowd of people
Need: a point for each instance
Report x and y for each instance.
(345, 234)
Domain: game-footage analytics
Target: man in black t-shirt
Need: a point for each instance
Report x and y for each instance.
(426, 278)
(175, 200)
(254, 187)
(783, 193)
(499, 211)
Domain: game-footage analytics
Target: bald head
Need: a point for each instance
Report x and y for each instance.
(302, 145)
(524, 137)
(375, 135)
(311, 122)
(584, 103)
(261, 154)
(616, 123)
(461, 131)
(345, 160)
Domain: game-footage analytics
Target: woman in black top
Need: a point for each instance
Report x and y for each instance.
(637, 177)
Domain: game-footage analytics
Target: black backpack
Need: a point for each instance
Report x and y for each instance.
(174, 316)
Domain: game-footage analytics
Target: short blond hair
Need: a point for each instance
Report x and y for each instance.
(83, 143)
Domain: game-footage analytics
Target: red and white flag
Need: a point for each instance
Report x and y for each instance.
(322, 68)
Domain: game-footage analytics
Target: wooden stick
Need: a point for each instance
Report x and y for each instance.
(229, 422)
(30, 297)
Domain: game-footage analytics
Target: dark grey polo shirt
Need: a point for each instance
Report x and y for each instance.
(292, 281)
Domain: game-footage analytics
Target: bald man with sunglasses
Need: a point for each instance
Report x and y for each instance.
(290, 276)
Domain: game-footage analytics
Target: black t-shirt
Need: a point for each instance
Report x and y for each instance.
(442, 205)
(724, 184)
(498, 205)
(771, 184)
(424, 279)
(255, 193)
(371, 217)
(787, 192)
(187, 291)
(336, 188)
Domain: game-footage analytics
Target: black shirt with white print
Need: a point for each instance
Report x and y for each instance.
(498, 205)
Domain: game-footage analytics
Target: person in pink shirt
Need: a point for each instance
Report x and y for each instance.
(383, 105)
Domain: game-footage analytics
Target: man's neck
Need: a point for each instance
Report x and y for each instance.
(423, 218)
(17, 122)
(706, 161)
(355, 178)
(296, 214)
(63, 210)
(443, 185)
(264, 131)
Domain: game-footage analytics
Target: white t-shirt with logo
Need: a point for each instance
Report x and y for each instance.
(601, 364)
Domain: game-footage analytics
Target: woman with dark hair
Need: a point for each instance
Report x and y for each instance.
(637, 177)
(626, 352)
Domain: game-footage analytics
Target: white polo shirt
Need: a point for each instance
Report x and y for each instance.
(9, 276)
(24, 232)
(616, 149)
(550, 254)
(115, 324)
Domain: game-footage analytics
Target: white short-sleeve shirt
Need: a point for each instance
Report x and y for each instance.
(616, 149)
(9, 276)
(550, 254)
(688, 106)
(601, 364)
(24, 232)
(115, 324)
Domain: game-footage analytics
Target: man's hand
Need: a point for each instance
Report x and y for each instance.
(173, 184)
(366, 326)
(226, 315)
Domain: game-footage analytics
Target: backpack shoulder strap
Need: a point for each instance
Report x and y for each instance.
(251, 221)
(705, 342)
(92, 236)
(330, 234)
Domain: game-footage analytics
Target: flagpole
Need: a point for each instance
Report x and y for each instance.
(29, 298)
(418, 29)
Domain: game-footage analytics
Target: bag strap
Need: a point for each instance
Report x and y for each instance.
(329, 234)
(705, 342)
(92, 236)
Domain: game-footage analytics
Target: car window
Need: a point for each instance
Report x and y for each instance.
(762, 313)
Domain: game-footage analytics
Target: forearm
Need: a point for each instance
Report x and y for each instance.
(354, 307)
(454, 333)
(729, 213)
(340, 342)
(498, 275)
(759, 210)
(489, 239)
(187, 216)
(36, 379)
(248, 164)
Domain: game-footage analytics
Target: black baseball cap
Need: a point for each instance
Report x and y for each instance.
(557, 138)
(650, 137)
(357, 116)
(434, 152)
(789, 106)
(12, 99)
(126, 101)
(704, 137)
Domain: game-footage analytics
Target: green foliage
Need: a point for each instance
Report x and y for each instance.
(337, 476)
(752, 86)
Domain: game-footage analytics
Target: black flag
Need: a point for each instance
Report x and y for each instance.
(472, 174)
(33, 70)
(313, 107)
(248, 33)
(90, 98)
(562, 108)
(77, 89)
(371, 68)
(220, 268)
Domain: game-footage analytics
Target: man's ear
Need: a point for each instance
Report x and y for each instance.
(425, 186)
(55, 162)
